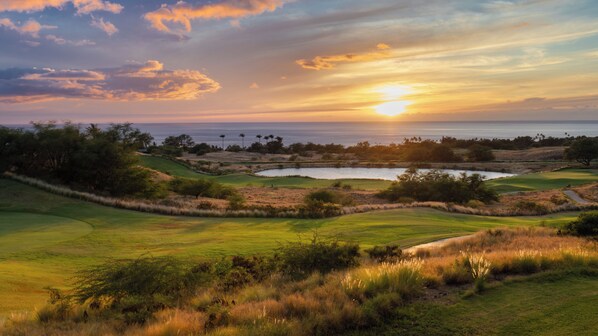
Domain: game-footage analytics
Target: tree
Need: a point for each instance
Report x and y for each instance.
(480, 153)
(583, 150)
(94, 159)
(183, 141)
(242, 135)
(222, 136)
(259, 138)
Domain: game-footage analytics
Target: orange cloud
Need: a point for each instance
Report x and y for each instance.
(328, 62)
(182, 13)
(82, 6)
(106, 26)
(30, 27)
(148, 81)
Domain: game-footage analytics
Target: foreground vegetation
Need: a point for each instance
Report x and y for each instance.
(45, 238)
(256, 296)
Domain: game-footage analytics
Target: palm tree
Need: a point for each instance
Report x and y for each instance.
(222, 136)
(242, 135)
(259, 138)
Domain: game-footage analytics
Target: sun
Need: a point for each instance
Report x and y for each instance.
(392, 97)
(392, 109)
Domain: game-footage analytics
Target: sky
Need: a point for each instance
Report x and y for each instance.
(301, 60)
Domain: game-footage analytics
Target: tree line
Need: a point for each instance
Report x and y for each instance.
(102, 161)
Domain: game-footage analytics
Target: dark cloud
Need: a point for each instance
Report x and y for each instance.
(148, 81)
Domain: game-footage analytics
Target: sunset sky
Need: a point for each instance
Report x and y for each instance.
(302, 60)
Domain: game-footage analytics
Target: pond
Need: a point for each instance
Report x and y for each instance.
(364, 173)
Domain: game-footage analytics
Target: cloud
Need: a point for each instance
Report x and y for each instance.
(63, 41)
(82, 6)
(328, 62)
(254, 85)
(106, 26)
(182, 13)
(31, 27)
(132, 82)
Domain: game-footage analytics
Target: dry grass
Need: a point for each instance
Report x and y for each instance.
(348, 300)
(588, 192)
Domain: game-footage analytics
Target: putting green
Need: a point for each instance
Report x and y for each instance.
(21, 232)
(544, 181)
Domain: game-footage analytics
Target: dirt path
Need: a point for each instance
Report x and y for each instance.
(575, 197)
(438, 243)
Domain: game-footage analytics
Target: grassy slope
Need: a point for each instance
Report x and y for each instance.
(529, 182)
(544, 181)
(49, 237)
(547, 304)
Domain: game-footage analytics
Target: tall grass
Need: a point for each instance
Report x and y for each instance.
(341, 301)
(403, 277)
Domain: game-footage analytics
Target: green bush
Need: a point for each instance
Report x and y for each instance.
(236, 201)
(201, 188)
(301, 259)
(137, 288)
(435, 185)
(329, 196)
(585, 225)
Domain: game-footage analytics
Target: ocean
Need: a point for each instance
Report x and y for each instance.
(375, 132)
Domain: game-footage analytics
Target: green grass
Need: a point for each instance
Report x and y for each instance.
(241, 180)
(528, 182)
(547, 304)
(545, 181)
(45, 238)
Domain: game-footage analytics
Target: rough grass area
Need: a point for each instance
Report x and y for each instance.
(544, 181)
(58, 235)
(536, 282)
(547, 304)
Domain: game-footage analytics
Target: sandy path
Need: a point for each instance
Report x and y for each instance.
(438, 243)
(575, 197)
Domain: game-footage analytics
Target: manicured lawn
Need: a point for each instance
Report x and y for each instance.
(45, 238)
(547, 304)
(544, 181)
(242, 180)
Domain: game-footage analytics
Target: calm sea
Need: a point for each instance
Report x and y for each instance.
(375, 133)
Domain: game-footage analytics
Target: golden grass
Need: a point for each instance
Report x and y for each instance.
(337, 302)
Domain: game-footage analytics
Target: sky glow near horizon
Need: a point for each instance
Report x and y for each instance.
(301, 60)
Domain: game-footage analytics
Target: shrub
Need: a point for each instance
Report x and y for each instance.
(315, 209)
(480, 153)
(531, 206)
(329, 196)
(585, 225)
(435, 185)
(236, 202)
(384, 253)
(137, 288)
(300, 259)
(201, 188)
